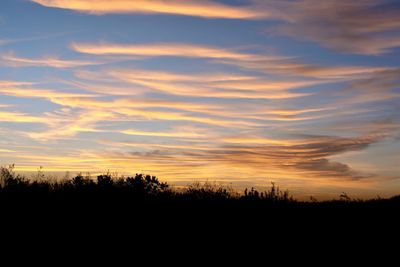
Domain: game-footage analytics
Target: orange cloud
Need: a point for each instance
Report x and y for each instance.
(270, 64)
(362, 27)
(194, 85)
(204, 8)
(307, 159)
(153, 145)
(163, 134)
(166, 50)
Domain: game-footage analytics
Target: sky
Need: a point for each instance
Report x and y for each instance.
(304, 93)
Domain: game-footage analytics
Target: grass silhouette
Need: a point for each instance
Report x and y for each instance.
(143, 188)
(143, 205)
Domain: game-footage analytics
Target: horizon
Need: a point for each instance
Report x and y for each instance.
(300, 193)
(303, 93)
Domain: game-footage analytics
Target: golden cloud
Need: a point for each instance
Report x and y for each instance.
(204, 8)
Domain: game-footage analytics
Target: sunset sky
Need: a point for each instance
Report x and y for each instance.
(303, 93)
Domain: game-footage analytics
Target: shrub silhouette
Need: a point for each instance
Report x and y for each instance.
(144, 185)
(105, 181)
(142, 190)
(10, 181)
(208, 191)
(80, 181)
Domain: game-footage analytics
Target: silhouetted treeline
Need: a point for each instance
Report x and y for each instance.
(143, 205)
(148, 188)
(139, 187)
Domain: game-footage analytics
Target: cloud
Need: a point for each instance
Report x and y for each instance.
(247, 113)
(290, 67)
(11, 60)
(17, 117)
(52, 95)
(5, 105)
(300, 158)
(167, 50)
(369, 27)
(267, 64)
(163, 134)
(217, 86)
(341, 104)
(13, 83)
(154, 115)
(66, 123)
(139, 106)
(362, 27)
(329, 168)
(157, 145)
(311, 154)
(60, 123)
(83, 113)
(203, 8)
(304, 159)
(7, 151)
(379, 82)
(27, 90)
(379, 87)
(3, 42)
(210, 85)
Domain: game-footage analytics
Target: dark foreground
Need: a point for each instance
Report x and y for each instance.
(141, 211)
(144, 199)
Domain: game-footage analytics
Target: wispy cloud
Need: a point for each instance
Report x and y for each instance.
(379, 87)
(185, 105)
(360, 27)
(66, 123)
(52, 95)
(220, 86)
(168, 50)
(311, 155)
(17, 117)
(305, 159)
(83, 112)
(163, 134)
(7, 151)
(205, 8)
(3, 41)
(12, 60)
(270, 64)
(4, 84)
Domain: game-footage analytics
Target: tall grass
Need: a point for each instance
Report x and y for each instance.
(141, 186)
